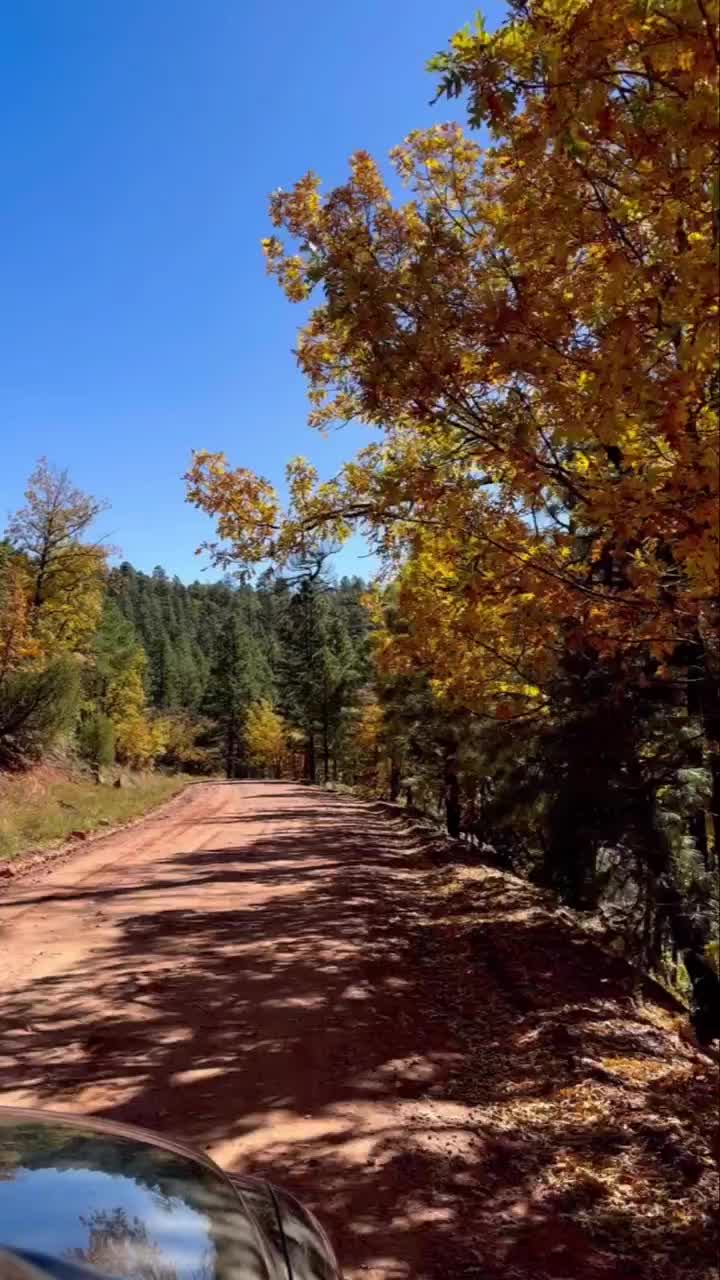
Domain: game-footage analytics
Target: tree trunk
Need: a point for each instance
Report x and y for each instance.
(570, 864)
(395, 780)
(711, 726)
(37, 599)
(452, 792)
(715, 806)
(326, 748)
(688, 932)
(230, 749)
(310, 764)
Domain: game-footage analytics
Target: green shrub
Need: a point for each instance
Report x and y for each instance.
(36, 708)
(96, 739)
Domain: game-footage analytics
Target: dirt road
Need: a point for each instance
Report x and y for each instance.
(250, 971)
(229, 973)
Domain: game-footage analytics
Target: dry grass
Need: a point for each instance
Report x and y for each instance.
(47, 806)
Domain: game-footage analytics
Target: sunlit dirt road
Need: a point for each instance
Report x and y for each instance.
(233, 972)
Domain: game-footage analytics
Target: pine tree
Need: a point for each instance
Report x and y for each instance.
(303, 666)
(167, 693)
(238, 677)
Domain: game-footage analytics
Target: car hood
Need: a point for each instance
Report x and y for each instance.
(130, 1204)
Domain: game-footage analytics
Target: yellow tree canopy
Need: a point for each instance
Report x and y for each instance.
(65, 574)
(534, 331)
(17, 645)
(265, 736)
(139, 740)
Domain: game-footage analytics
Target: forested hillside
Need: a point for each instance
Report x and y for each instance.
(296, 654)
(109, 664)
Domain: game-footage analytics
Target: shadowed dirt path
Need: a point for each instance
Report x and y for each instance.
(258, 970)
(233, 972)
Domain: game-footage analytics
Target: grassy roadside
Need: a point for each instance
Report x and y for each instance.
(46, 807)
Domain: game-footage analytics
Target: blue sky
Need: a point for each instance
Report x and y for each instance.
(141, 140)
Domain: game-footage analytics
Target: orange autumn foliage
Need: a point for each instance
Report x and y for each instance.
(534, 332)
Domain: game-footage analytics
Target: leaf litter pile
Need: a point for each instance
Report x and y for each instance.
(595, 1117)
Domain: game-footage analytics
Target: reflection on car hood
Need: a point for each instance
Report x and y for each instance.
(128, 1204)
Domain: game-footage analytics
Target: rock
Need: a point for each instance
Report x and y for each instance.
(78, 835)
(6, 871)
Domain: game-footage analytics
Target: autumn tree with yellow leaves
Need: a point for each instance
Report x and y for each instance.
(51, 591)
(265, 738)
(64, 570)
(533, 332)
(16, 643)
(63, 669)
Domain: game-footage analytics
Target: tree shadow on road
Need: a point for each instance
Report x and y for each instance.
(457, 1084)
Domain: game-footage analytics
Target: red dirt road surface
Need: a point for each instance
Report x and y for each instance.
(276, 975)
